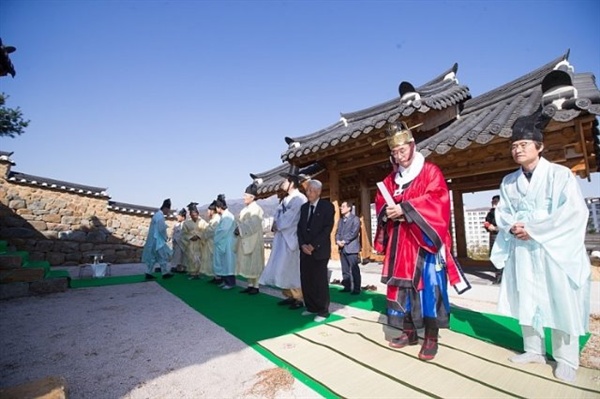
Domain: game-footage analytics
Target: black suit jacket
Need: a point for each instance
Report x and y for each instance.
(319, 232)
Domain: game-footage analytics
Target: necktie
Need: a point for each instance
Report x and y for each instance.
(310, 215)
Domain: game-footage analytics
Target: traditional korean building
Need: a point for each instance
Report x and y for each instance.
(467, 137)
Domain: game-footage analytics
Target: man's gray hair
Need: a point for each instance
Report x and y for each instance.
(316, 184)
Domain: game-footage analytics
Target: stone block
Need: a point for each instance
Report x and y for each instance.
(13, 290)
(52, 387)
(72, 235)
(17, 204)
(86, 246)
(52, 218)
(49, 286)
(10, 261)
(50, 234)
(23, 275)
(38, 225)
(44, 245)
(55, 258)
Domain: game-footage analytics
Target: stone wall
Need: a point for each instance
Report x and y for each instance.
(66, 228)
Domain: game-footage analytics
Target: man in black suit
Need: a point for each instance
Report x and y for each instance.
(314, 237)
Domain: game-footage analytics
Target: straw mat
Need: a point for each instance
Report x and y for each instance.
(352, 359)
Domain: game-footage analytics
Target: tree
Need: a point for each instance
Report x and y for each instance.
(12, 123)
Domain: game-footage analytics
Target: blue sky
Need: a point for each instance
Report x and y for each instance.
(183, 99)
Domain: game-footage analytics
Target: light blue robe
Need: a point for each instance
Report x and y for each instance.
(225, 244)
(156, 249)
(546, 279)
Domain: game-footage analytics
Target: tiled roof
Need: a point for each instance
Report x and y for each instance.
(130, 208)
(5, 157)
(442, 92)
(493, 114)
(270, 181)
(23, 178)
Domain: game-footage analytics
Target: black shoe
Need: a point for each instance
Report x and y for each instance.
(286, 301)
(296, 305)
(253, 291)
(246, 291)
(355, 293)
(167, 276)
(148, 276)
(345, 290)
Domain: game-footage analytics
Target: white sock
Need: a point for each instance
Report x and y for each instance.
(565, 372)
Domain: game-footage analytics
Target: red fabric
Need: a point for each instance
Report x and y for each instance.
(429, 197)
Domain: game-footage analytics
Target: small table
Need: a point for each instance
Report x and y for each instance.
(99, 268)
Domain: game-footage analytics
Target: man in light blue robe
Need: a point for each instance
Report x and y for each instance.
(156, 249)
(542, 218)
(225, 244)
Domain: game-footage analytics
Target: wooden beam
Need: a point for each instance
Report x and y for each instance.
(459, 224)
(365, 217)
(334, 197)
(579, 130)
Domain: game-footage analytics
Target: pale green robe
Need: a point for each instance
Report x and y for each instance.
(193, 249)
(250, 250)
(208, 247)
(546, 280)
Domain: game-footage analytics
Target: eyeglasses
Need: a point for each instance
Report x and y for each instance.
(521, 146)
(400, 151)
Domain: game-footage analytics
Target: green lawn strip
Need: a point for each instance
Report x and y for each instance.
(109, 280)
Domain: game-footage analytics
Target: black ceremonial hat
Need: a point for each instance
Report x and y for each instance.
(530, 127)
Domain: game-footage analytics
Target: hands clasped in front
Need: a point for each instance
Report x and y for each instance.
(307, 249)
(394, 212)
(518, 230)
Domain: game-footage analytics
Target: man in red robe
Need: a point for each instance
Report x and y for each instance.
(414, 234)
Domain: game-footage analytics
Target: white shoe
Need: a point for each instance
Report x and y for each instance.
(528, 357)
(319, 319)
(226, 287)
(307, 313)
(565, 372)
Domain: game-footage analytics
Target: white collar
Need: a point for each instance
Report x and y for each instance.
(406, 175)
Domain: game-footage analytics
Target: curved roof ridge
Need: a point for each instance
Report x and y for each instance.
(390, 104)
(307, 137)
(513, 87)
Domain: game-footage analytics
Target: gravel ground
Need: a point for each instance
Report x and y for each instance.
(127, 341)
(139, 341)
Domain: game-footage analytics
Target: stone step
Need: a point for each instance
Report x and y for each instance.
(22, 275)
(8, 261)
(53, 387)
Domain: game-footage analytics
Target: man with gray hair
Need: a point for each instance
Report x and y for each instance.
(314, 230)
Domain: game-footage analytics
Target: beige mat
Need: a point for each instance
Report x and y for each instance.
(352, 359)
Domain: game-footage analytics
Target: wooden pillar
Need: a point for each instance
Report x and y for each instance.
(459, 224)
(334, 197)
(364, 212)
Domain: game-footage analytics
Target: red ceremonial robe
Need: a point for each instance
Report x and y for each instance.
(426, 206)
